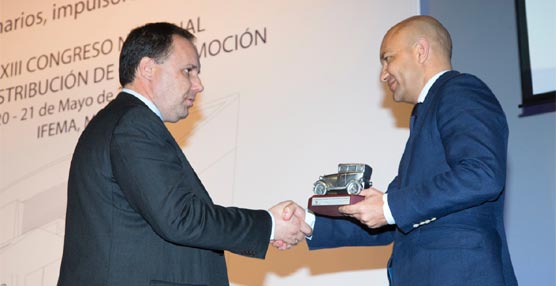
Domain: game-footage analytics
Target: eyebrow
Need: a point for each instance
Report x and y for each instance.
(192, 66)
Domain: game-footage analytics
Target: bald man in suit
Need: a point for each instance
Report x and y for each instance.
(444, 209)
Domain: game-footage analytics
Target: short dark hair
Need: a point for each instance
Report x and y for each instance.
(153, 40)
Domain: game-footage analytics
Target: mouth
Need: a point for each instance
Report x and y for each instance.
(189, 102)
(392, 85)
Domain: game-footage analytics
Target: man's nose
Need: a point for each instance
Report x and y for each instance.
(384, 74)
(197, 84)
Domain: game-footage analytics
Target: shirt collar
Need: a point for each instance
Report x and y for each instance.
(149, 103)
(428, 86)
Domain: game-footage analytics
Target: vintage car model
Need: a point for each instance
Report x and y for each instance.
(351, 178)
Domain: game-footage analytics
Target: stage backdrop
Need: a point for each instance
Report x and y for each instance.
(291, 90)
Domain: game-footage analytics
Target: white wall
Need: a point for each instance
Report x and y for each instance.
(278, 110)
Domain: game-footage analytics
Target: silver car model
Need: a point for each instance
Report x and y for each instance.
(351, 178)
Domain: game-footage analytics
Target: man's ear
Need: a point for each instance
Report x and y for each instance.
(146, 68)
(422, 50)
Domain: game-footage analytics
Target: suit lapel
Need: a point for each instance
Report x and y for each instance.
(129, 99)
(431, 96)
(417, 125)
(200, 188)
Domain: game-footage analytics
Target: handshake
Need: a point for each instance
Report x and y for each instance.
(289, 218)
(289, 225)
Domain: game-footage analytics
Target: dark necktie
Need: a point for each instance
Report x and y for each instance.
(413, 119)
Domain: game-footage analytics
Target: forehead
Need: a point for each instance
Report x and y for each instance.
(392, 41)
(184, 51)
(386, 45)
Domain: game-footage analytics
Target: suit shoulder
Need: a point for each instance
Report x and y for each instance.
(466, 88)
(467, 95)
(125, 106)
(470, 79)
(124, 109)
(466, 81)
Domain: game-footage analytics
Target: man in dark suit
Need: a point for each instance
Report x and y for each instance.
(444, 209)
(137, 213)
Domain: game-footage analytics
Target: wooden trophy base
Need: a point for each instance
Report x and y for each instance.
(328, 204)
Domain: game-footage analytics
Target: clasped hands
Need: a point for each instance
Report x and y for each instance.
(290, 218)
(290, 227)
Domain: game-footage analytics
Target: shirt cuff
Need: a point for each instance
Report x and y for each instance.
(310, 219)
(272, 230)
(386, 210)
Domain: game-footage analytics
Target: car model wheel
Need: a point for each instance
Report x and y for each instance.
(354, 187)
(320, 188)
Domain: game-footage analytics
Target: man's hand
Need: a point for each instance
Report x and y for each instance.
(290, 226)
(368, 211)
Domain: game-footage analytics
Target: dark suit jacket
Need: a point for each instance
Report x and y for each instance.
(137, 213)
(448, 196)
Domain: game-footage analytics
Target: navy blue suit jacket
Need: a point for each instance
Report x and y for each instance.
(137, 213)
(448, 196)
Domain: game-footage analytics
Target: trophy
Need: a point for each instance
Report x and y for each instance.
(343, 188)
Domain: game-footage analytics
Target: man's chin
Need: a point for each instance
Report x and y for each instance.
(176, 118)
(183, 116)
(398, 97)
